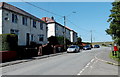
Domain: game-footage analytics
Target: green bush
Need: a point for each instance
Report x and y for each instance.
(8, 42)
(53, 40)
(61, 40)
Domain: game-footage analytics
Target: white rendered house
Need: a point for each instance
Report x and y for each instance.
(56, 29)
(26, 26)
(73, 36)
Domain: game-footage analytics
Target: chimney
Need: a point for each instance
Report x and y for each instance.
(45, 19)
(52, 18)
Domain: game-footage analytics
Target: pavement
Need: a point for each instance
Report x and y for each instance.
(106, 58)
(27, 60)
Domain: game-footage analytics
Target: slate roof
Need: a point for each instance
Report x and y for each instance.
(12, 8)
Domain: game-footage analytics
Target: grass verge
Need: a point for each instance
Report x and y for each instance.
(115, 57)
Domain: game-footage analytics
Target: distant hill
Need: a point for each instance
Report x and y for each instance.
(102, 43)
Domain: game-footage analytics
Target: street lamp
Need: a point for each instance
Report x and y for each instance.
(70, 13)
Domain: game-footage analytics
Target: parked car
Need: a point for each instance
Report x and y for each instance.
(96, 46)
(87, 47)
(73, 48)
(109, 45)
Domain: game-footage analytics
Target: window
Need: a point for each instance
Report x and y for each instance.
(41, 37)
(13, 31)
(32, 37)
(14, 18)
(41, 26)
(24, 20)
(34, 23)
(56, 27)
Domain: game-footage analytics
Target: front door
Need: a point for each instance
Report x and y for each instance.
(27, 38)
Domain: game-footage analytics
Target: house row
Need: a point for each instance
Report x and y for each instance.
(56, 29)
(30, 28)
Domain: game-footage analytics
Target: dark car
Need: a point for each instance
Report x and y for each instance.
(96, 46)
(87, 47)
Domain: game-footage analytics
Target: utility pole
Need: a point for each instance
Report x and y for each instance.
(91, 37)
(64, 33)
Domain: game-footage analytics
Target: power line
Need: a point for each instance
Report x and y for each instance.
(76, 25)
(85, 30)
(48, 11)
(42, 9)
(55, 14)
(82, 28)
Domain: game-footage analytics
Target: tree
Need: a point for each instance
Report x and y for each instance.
(53, 40)
(114, 19)
(61, 40)
(68, 42)
(79, 40)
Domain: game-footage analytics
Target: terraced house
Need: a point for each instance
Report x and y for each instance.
(56, 29)
(26, 26)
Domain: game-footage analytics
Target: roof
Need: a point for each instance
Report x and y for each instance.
(74, 31)
(7, 6)
(68, 28)
(48, 20)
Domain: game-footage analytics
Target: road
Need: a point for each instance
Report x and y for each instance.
(65, 64)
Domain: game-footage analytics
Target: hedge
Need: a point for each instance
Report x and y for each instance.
(8, 42)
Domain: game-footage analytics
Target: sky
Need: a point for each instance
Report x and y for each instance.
(82, 17)
(59, 0)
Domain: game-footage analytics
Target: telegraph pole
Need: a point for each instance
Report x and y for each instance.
(91, 37)
(64, 33)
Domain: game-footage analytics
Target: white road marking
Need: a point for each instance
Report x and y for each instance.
(88, 63)
(94, 63)
(92, 60)
(80, 72)
(85, 67)
(103, 60)
(95, 58)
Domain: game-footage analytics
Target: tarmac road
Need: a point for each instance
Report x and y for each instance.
(82, 63)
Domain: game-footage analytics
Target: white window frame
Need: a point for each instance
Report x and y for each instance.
(41, 26)
(56, 27)
(41, 36)
(32, 37)
(34, 23)
(14, 31)
(24, 20)
(14, 18)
